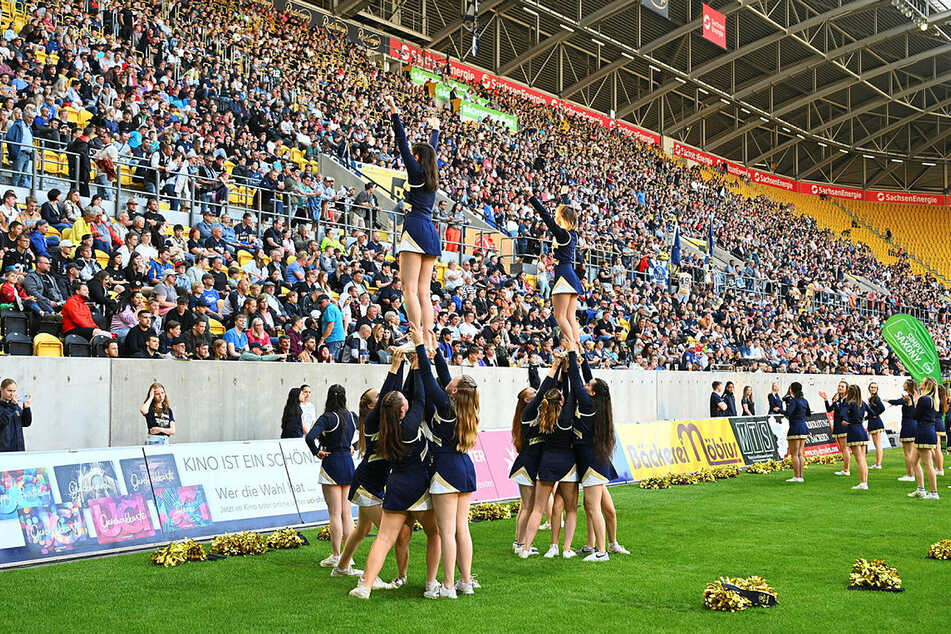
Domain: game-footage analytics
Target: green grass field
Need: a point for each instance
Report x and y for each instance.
(802, 538)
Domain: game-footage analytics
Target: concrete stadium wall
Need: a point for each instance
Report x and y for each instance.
(85, 403)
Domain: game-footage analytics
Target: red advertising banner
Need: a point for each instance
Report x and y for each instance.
(714, 26)
(832, 191)
(773, 180)
(906, 198)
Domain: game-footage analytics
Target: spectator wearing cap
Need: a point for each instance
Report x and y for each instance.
(208, 221)
(209, 296)
(178, 350)
(333, 334)
(89, 266)
(164, 291)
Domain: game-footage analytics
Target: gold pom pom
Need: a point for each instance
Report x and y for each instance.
(656, 482)
(726, 471)
(940, 550)
(484, 512)
(285, 538)
(823, 459)
(725, 594)
(178, 553)
(515, 507)
(769, 466)
(323, 533)
(874, 575)
(246, 543)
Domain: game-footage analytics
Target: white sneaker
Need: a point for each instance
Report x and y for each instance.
(464, 588)
(861, 486)
(379, 584)
(552, 552)
(615, 547)
(906, 478)
(525, 553)
(568, 554)
(399, 582)
(917, 493)
(941, 473)
(545, 527)
(585, 550)
(446, 593)
(842, 473)
(795, 479)
(932, 496)
(349, 571)
(875, 466)
(330, 562)
(432, 590)
(596, 556)
(360, 592)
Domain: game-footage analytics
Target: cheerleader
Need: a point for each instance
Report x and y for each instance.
(607, 502)
(528, 443)
(419, 244)
(335, 429)
(873, 411)
(941, 432)
(796, 409)
(852, 414)
(594, 446)
(556, 467)
(369, 481)
(928, 407)
(909, 429)
(566, 285)
(455, 430)
(401, 443)
(839, 430)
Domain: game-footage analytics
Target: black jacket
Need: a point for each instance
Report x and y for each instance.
(12, 421)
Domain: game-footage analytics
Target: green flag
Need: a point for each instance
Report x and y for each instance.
(910, 340)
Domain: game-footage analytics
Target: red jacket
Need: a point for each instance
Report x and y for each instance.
(76, 314)
(9, 293)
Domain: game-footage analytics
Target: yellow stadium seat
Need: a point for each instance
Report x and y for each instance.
(50, 162)
(125, 175)
(84, 117)
(102, 258)
(244, 257)
(215, 327)
(67, 233)
(63, 164)
(46, 345)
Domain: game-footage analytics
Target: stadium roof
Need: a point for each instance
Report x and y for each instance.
(854, 93)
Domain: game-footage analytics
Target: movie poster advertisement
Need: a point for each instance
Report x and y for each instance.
(67, 503)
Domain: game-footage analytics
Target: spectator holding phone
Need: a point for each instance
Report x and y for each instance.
(159, 419)
(13, 417)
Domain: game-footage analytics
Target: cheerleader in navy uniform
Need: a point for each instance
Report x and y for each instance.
(941, 432)
(369, 482)
(796, 410)
(909, 429)
(455, 430)
(401, 443)
(873, 410)
(556, 467)
(335, 429)
(594, 446)
(566, 286)
(853, 413)
(528, 443)
(928, 407)
(419, 244)
(839, 430)
(603, 404)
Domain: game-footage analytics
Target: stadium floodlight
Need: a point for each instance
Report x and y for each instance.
(868, 156)
(597, 43)
(821, 144)
(928, 164)
(799, 136)
(654, 68)
(896, 160)
(701, 90)
(566, 27)
(744, 110)
(530, 11)
(843, 151)
(623, 54)
(724, 101)
(923, 26)
(764, 119)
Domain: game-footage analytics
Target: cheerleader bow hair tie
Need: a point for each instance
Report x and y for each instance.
(756, 597)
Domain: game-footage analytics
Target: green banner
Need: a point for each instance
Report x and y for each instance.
(910, 340)
(474, 112)
(444, 86)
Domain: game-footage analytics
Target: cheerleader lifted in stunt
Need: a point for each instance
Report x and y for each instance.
(566, 286)
(419, 244)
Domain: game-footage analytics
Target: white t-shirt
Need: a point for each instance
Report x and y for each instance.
(308, 415)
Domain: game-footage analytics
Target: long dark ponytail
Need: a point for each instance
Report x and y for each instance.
(390, 445)
(603, 421)
(365, 408)
(336, 400)
(291, 407)
(426, 157)
(517, 420)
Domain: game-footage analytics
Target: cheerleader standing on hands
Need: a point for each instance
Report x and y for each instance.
(529, 444)
(796, 410)
(556, 467)
(857, 437)
(909, 429)
(565, 287)
(839, 431)
(403, 446)
(369, 482)
(335, 429)
(929, 406)
(874, 409)
(455, 429)
(419, 244)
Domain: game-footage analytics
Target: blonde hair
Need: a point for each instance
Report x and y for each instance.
(568, 214)
(465, 402)
(549, 410)
(929, 388)
(164, 407)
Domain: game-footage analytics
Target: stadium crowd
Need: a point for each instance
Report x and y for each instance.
(209, 96)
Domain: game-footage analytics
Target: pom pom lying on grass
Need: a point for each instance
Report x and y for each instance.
(874, 575)
(246, 543)
(940, 550)
(656, 482)
(285, 538)
(178, 553)
(734, 594)
(484, 512)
